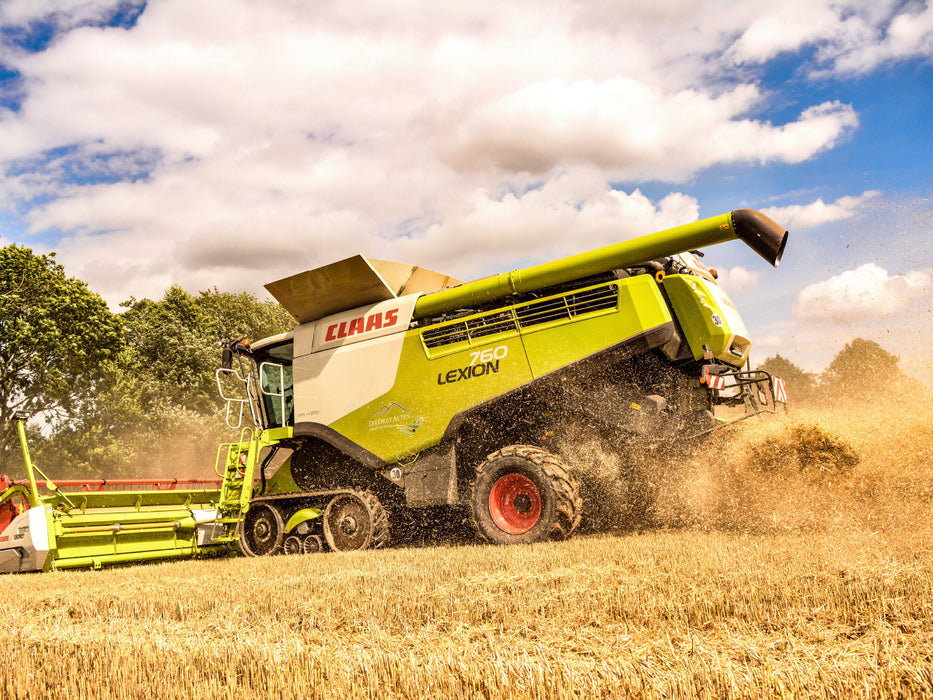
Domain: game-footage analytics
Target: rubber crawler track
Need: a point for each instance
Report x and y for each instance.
(380, 519)
(569, 506)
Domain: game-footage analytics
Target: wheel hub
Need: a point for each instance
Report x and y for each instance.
(515, 503)
(522, 503)
(348, 525)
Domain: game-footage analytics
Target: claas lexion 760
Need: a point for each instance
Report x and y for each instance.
(401, 388)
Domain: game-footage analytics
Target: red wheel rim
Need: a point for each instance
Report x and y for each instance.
(515, 503)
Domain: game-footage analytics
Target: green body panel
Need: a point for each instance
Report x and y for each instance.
(281, 481)
(639, 308)
(428, 392)
(450, 367)
(302, 516)
(696, 307)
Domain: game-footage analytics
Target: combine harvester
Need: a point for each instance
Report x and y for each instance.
(402, 389)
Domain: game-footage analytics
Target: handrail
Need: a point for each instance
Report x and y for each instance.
(230, 400)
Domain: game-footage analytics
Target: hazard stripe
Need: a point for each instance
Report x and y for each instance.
(716, 382)
(780, 391)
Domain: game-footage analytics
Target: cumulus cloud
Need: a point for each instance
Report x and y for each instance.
(574, 212)
(62, 15)
(801, 216)
(543, 126)
(849, 37)
(222, 141)
(784, 27)
(884, 34)
(737, 280)
(866, 293)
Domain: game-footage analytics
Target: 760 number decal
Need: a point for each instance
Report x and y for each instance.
(482, 362)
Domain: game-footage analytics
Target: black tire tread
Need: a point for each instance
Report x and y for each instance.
(569, 506)
(378, 516)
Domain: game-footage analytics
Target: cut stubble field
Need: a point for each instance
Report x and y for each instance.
(792, 557)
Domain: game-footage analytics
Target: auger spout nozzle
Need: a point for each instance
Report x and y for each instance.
(763, 235)
(760, 233)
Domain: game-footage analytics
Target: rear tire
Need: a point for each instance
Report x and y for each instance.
(524, 494)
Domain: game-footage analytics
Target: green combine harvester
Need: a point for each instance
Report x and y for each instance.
(401, 388)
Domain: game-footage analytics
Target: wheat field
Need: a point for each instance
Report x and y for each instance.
(787, 558)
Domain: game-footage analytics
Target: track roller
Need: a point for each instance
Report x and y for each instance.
(292, 545)
(312, 544)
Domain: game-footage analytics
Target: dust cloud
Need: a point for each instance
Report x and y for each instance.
(853, 465)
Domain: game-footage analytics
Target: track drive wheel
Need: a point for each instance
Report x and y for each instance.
(355, 520)
(263, 531)
(524, 494)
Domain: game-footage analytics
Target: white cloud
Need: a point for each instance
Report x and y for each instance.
(231, 142)
(62, 14)
(801, 216)
(849, 37)
(876, 35)
(784, 27)
(575, 212)
(737, 280)
(866, 293)
(548, 124)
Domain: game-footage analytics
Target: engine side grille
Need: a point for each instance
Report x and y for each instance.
(568, 307)
(555, 309)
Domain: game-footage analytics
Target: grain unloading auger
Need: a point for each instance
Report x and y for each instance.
(402, 388)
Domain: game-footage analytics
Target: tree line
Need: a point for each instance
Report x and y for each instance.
(860, 370)
(114, 394)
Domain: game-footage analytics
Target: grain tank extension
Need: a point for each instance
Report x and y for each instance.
(402, 388)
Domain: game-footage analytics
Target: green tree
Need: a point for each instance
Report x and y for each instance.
(859, 368)
(244, 315)
(801, 385)
(158, 412)
(56, 337)
(177, 341)
(176, 349)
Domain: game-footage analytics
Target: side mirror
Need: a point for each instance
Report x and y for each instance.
(226, 360)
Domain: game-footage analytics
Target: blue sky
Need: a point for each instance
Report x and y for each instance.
(229, 143)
